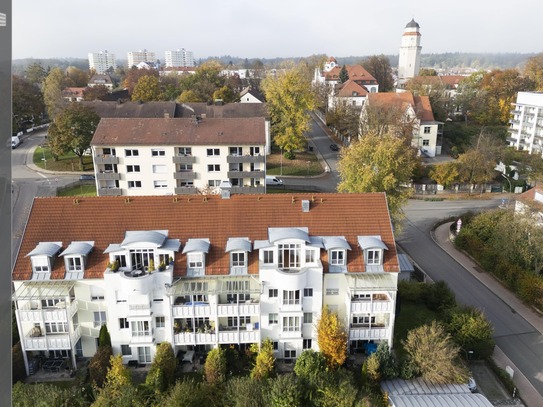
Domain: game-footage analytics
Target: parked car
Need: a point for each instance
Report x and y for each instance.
(472, 386)
(334, 147)
(271, 180)
(86, 177)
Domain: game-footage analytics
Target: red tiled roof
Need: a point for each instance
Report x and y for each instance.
(356, 73)
(105, 220)
(424, 108)
(452, 80)
(421, 104)
(173, 131)
(351, 86)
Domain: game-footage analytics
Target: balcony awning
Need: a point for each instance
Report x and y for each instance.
(242, 284)
(275, 234)
(113, 247)
(242, 244)
(171, 244)
(45, 249)
(371, 242)
(202, 286)
(156, 237)
(34, 290)
(366, 281)
(197, 245)
(261, 244)
(78, 248)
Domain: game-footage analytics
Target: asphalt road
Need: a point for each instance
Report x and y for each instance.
(517, 338)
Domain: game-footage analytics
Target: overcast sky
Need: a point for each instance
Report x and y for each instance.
(271, 28)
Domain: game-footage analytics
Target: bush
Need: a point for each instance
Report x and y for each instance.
(289, 155)
(472, 331)
(438, 296)
(410, 291)
(309, 365)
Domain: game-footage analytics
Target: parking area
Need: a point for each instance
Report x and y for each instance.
(490, 386)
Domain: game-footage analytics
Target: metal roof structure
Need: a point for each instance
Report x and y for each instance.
(197, 245)
(238, 244)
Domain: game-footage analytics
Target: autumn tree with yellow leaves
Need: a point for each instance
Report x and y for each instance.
(332, 339)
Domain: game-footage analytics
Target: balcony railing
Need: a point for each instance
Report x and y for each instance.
(367, 333)
(109, 191)
(139, 310)
(184, 175)
(246, 174)
(51, 341)
(191, 338)
(106, 159)
(245, 159)
(184, 159)
(186, 190)
(142, 336)
(106, 176)
(196, 310)
(248, 190)
(227, 310)
(241, 336)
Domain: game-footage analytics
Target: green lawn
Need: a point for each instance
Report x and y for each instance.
(305, 164)
(65, 163)
(79, 190)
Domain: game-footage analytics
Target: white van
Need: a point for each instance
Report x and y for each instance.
(15, 141)
(271, 180)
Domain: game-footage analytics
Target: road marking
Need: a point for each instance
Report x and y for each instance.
(41, 175)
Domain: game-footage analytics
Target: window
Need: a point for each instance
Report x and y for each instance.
(144, 354)
(272, 293)
(289, 256)
(160, 169)
(158, 153)
(185, 167)
(363, 320)
(275, 345)
(291, 297)
(184, 151)
(123, 323)
(74, 264)
(56, 327)
(126, 350)
(235, 322)
(374, 257)
(131, 153)
(238, 259)
(40, 264)
(337, 257)
(196, 260)
(427, 129)
(49, 303)
(308, 292)
(132, 168)
(308, 317)
(213, 167)
(290, 353)
(187, 183)
(121, 259)
(307, 343)
(134, 184)
(361, 297)
(213, 151)
(160, 322)
(291, 324)
(309, 256)
(97, 293)
(214, 182)
(425, 142)
(99, 318)
(108, 151)
(140, 328)
(160, 184)
(268, 256)
(140, 258)
(236, 151)
(254, 150)
(332, 291)
(273, 318)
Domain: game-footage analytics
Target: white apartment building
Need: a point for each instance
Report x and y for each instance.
(176, 156)
(178, 59)
(427, 132)
(135, 57)
(409, 58)
(526, 130)
(102, 61)
(202, 271)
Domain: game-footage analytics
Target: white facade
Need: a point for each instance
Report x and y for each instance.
(526, 131)
(409, 58)
(179, 58)
(102, 61)
(135, 57)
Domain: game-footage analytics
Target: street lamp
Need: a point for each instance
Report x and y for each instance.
(508, 180)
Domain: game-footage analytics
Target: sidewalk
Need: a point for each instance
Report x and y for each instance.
(528, 393)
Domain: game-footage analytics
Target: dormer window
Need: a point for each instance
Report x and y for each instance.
(195, 260)
(337, 257)
(74, 264)
(40, 265)
(238, 247)
(195, 249)
(239, 259)
(374, 257)
(42, 259)
(337, 247)
(373, 248)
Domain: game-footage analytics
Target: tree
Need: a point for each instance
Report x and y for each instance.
(45, 395)
(264, 366)
(285, 391)
(188, 96)
(388, 368)
(436, 91)
(534, 71)
(289, 98)
(381, 118)
(215, 366)
(245, 392)
(118, 376)
(73, 130)
(427, 72)
(336, 388)
(126, 396)
(343, 74)
(147, 89)
(205, 81)
(345, 118)
(99, 365)
(226, 94)
(379, 164)
(52, 93)
(76, 77)
(332, 339)
(379, 67)
(17, 363)
(103, 338)
(162, 372)
(444, 174)
(35, 74)
(472, 332)
(309, 365)
(27, 103)
(432, 351)
(133, 76)
(98, 92)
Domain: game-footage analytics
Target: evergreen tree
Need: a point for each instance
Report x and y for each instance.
(343, 74)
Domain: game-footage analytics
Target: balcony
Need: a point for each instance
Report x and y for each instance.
(291, 334)
(246, 174)
(196, 310)
(106, 159)
(35, 341)
(228, 310)
(190, 175)
(142, 337)
(60, 313)
(243, 335)
(184, 159)
(371, 307)
(109, 191)
(186, 190)
(107, 176)
(248, 190)
(139, 310)
(191, 338)
(295, 305)
(234, 159)
(361, 332)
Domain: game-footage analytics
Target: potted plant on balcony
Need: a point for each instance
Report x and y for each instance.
(113, 266)
(151, 266)
(176, 327)
(171, 261)
(162, 266)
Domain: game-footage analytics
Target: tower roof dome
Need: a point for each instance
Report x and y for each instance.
(412, 24)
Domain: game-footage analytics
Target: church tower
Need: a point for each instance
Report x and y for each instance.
(409, 62)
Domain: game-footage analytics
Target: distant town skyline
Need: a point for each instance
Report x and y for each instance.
(249, 29)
